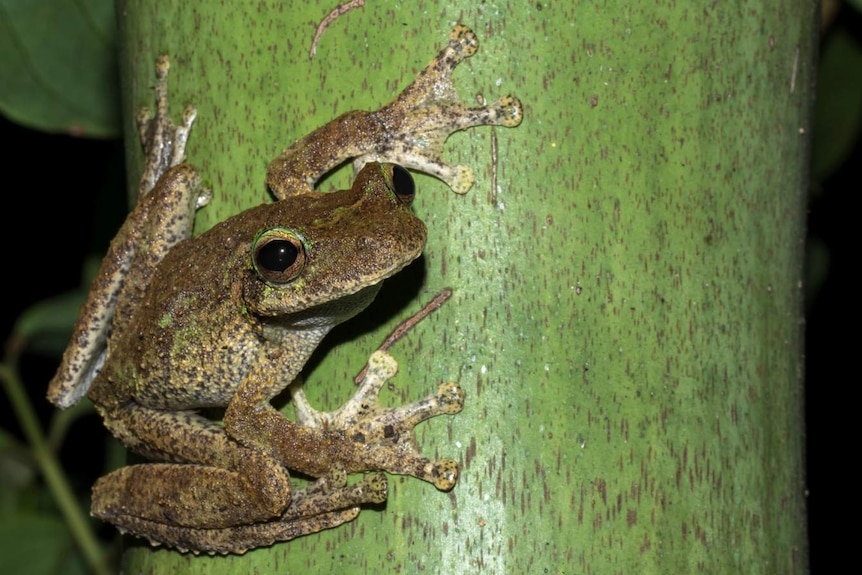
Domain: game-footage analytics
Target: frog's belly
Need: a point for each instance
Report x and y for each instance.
(195, 376)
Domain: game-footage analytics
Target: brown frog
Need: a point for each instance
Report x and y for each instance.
(228, 319)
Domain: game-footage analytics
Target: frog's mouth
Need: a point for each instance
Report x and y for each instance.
(333, 312)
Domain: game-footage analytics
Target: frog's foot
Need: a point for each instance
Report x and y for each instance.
(428, 111)
(331, 493)
(326, 503)
(433, 86)
(164, 142)
(385, 435)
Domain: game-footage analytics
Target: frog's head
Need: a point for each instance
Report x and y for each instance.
(319, 259)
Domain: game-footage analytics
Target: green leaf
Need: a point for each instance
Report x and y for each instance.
(838, 110)
(36, 545)
(58, 67)
(17, 472)
(46, 326)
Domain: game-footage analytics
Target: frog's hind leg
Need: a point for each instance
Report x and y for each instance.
(308, 513)
(158, 515)
(237, 539)
(213, 487)
(163, 217)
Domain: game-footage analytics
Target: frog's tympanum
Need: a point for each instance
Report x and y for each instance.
(227, 319)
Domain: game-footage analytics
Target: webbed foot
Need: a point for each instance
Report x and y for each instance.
(435, 112)
(163, 141)
(387, 433)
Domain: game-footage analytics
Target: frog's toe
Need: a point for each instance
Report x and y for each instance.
(376, 487)
(144, 120)
(317, 500)
(205, 195)
(306, 415)
(382, 365)
(443, 473)
(510, 111)
(463, 41)
(181, 135)
(190, 112)
(163, 66)
(164, 141)
(335, 479)
(450, 398)
(459, 178)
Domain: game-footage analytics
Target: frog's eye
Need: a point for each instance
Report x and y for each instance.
(402, 184)
(278, 255)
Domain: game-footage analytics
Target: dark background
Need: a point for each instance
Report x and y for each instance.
(61, 204)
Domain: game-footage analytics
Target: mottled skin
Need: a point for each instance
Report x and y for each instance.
(229, 318)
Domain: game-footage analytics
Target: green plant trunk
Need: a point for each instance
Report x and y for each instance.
(626, 272)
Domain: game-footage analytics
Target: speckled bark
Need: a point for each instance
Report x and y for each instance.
(626, 272)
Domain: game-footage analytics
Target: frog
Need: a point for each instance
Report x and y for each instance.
(176, 326)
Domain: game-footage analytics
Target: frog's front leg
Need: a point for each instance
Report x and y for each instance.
(385, 435)
(410, 131)
(361, 436)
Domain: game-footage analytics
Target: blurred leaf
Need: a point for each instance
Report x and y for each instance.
(857, 4)
(116, 454)
(17, 475)
(37, 545)
(816, 268)
(46, 326)
(58, 66)
(17, 468)
(838, 110)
